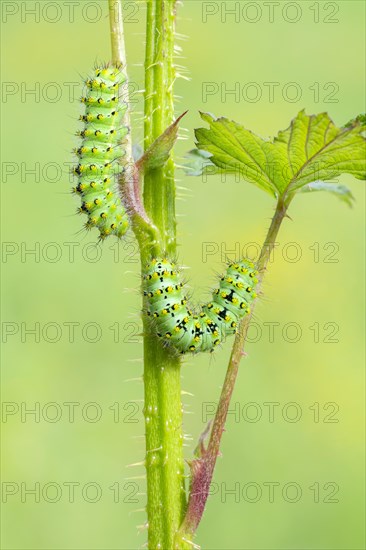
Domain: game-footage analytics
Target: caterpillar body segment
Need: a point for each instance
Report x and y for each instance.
(188, 331)
(100, 152)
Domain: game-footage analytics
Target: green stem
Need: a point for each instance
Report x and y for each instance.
(203, 467)
(154, 227)
(117, 32)
(159, 199)
(129, 181)
(166, 500)
(119, 55)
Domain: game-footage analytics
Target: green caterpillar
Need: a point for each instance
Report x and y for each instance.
(100, 151)
(184, 330)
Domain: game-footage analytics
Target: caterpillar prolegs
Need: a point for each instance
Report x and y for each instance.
(98, 168)
(100, 151)
(188, 331)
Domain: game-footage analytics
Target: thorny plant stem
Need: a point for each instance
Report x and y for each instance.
(155, 226)
(202, 468)
(166, 498)
(129, 181)
(119, 55)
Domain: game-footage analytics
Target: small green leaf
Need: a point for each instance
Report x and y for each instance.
(157, 155)
(311, 150)
(340, 191)
(197, 162)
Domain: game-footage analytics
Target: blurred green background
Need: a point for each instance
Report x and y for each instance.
(290, 480)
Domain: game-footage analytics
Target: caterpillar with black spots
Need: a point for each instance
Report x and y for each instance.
(100, 151)
(188, 331)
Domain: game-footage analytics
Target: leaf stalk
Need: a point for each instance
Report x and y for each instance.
(202, 468)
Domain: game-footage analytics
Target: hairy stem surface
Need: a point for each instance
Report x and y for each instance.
(154, 225)
(166, 500)
(119, 55)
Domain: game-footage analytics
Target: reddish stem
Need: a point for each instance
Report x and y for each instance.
(202, 468)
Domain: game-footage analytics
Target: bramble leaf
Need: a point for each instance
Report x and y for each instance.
(197, 162)
(340, 191)
(311, 150)
(236, 150)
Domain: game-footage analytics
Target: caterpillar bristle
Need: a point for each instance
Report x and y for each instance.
(100, 153)
(189, 331)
